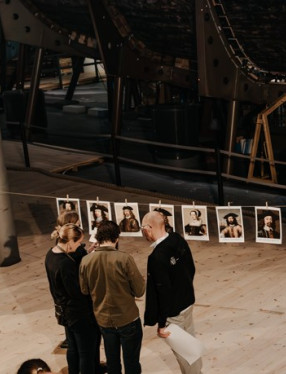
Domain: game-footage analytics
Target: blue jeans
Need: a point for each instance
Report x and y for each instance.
(129, 337)
(83, 347)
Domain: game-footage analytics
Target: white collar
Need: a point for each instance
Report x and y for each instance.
(154, 244)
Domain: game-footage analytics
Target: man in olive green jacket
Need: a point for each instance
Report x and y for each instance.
(113, 280)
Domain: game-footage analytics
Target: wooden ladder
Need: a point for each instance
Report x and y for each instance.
(262, 123)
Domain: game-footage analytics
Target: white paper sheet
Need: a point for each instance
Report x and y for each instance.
(184, 344)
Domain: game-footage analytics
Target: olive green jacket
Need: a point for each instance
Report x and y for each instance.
(113, 280)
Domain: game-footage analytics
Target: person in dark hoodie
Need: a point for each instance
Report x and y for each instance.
(170, 291)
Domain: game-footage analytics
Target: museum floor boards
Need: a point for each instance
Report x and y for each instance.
(240, 288)
(53, 159)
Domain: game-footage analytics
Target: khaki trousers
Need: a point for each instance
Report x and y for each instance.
(185, 321)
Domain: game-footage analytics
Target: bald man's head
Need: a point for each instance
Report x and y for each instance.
(153, 226)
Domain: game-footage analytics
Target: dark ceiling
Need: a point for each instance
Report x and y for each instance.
(230, 49)
(168, 27)
(71, 15)
(260, 27)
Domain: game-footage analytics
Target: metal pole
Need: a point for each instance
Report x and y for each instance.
(20, 76)
(33, 93)
(77, 67)
(219, 178)
(127, 95)
(110, 96)
(116, 123)
(3, 57)
(9, 251)
(25, 145)
(97, 79)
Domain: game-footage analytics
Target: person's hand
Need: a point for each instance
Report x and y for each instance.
(162, 332)
(92, 247)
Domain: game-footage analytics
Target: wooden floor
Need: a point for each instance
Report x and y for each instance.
(63, 159)
(240, 288)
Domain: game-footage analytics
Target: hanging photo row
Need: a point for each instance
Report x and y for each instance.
(268, 222)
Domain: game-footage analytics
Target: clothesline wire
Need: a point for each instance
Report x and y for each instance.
(147, 204)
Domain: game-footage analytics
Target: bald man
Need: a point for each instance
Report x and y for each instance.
(170, 292)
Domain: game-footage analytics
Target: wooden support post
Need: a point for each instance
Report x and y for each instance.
(231, 129)
(269, 148)
(254, 146)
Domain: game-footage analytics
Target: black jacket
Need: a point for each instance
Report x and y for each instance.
(170, 274)
(62, 272)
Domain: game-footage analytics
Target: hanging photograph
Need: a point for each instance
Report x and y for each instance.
(268, 225)
(195, 222)
(97, 211)
(128, 219)
(167, 211)
(64, 204)
(230, 224)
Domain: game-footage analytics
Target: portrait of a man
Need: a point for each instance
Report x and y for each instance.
(68, 204)
(232, 228)
(167, 212)
(127, 217)
(268, 225)
(98, 211)
(230, 224)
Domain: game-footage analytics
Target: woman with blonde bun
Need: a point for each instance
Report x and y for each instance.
(69, 216)
(73, 309)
